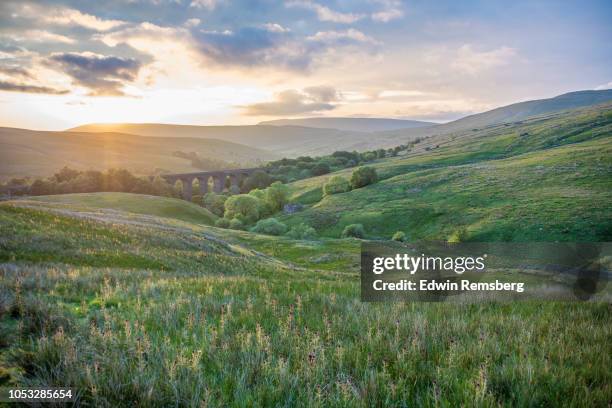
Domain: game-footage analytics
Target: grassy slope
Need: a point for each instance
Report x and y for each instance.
(36, 153)
(546, 179)
(133, 203)
(137, 309)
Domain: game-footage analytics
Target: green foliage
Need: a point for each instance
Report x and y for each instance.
(320, 169)
(236, 224)
(363, 176)
(460, 235)
(276, 196)
(259, 179)
(215, 203)
(353, 231)
(243, 207)
(336, 185)
(302, 231)
(222, 223)
(269, 226)
(399, 236)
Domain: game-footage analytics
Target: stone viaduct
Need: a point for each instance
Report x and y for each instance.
(218, 179)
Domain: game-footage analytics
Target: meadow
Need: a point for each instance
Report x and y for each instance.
(135, 309)
(137, 300)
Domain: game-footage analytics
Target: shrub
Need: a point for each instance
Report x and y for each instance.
(302, 231)
(363, 176)
(236, 224)
(259, 179)
(215, 203)
(243, 207)
(399, 236)
(353, 231)
(269, 226)
(460, 235)
(276, 196)
(197, 199)
(320, 169)
(222, 223)
(336, 185)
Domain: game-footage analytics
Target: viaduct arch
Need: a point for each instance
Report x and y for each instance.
(218, 178)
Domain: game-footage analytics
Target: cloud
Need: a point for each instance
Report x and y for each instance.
(604, 86)
(41, 36)
(16, 72)
(204, 4)
(293, 102)
(325, 13)
(470, 61)
(66, 17)
(102, 75)
(27, 88)
(391, 10)
(350, 35)
(252, 46)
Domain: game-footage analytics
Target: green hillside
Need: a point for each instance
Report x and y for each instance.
(131, 309)
(37, 153)
(547, 178)
(132, 203)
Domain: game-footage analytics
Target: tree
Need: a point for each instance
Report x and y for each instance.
(276, 196)
(399, 236)
(215, 203)
(319, 169)
(353, 231)
(66, 174)
(269, 226)
(243, 207)
(236, 224)
(222, 223)
(259, 179)
(363, 176)
(302, 231)
(336, 185)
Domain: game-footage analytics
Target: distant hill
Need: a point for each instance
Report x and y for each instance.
(37, 153)
(293, 141)
(351, 124)
(287, 141)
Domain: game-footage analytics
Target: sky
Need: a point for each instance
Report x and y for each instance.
(65, 63)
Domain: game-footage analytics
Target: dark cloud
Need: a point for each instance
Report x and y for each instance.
(17, 87)
(252, 46)
(102, 75)
(16, 72)
(293, 102)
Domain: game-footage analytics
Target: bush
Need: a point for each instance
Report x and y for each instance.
(302, 231)
(259, 179)
(269, 226)
(336, 185)
(460, 235)
(399, 236)
(215, 203)
(363, 176)
(236, 224)
(353, 231)
(243, 207)
(222, 223)
(276, 196)
(197, 199)
(319, 169)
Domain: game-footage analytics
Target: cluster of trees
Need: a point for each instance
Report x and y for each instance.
(361, 177)
(288, 170)
(69, 180)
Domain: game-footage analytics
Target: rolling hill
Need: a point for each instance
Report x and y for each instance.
(37, 153)
(547, 178)
(351, 124)
(292, 141)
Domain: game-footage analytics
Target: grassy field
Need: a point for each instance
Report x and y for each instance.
(138, 301)
(137, 309)
(547, 179)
